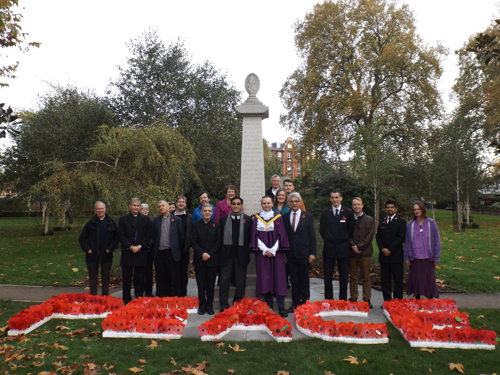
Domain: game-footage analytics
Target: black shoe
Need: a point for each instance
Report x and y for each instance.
(369, 304)
(210, 311)
(201, 310)
(352, 300)
(292, 308)
(283, 313)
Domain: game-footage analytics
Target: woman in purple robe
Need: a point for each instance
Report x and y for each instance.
(422, 252)
(270, 242)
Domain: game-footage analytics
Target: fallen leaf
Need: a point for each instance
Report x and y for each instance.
(427, 350)
(3, 329)
(319, 361)
(496, 277)
(364, 362)
(84, 356)
(141, 361)
(60, 347)
(166, 340)
(281, 372)
(107, 367)
(236, 348)
(38, 363)
(230, 371)
(47, 373)
(219, 345)
(75, 332)
(328, 373)
(135, 370)
(74, 269)
(40, 355)
(187, 368)
(91, 365)
(154, 344)
(352, 360)
(57, 364)
(457, 366)
(224, 353)
(61, 357)
(172, 361)
(62, 328)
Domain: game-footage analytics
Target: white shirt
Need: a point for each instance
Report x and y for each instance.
(299, 212)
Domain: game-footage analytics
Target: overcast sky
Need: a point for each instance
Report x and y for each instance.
(84, 41)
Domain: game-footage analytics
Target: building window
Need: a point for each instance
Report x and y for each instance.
(280, 155)
(289, 156)
(289, 145)
(299, 169)
(289, 170)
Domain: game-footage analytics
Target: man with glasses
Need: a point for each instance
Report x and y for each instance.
(235, 252)
(302, 237)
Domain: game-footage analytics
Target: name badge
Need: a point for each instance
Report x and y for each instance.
(342, 221)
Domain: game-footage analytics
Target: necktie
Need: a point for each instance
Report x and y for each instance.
(388, 219)
(336, 212)
(294, 219)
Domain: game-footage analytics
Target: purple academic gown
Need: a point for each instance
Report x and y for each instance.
(271, 272)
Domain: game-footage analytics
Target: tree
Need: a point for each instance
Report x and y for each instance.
(363, 65)
(160, 83)
(11, 36)
(478, 86)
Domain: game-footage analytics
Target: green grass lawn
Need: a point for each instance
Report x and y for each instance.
(37, 352)
(30, 258)
(470, 260)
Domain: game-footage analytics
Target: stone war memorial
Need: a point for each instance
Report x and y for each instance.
(252, 111)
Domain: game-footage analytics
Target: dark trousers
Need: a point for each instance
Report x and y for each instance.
(389, 273)
(280, 301)
(148, 276)
(232, 271)
(93, 268)
(183, 273)
(167, 274)
(299, 277)
(205, 281)
(135, 273)
(343, 267)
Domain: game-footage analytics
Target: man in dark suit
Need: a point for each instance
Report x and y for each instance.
(390, 238)
(206, 240)
(275, 185)
(168, 237)
(98, 240)
(235, 252)
(134, 231)
(302, 237)
(336, 226)
(182, 213)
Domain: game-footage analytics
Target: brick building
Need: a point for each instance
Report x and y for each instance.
(290, 156)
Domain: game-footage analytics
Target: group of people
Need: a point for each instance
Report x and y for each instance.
(282, 238)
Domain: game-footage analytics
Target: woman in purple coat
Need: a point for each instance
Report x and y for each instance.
(270, 242)
(422, 251)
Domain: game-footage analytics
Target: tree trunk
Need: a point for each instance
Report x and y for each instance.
(376, 214)
(46, 221)
(467, 210)
(458, 204)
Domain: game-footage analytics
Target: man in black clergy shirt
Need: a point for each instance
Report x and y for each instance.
(390, 238)
(168, 237)
(302, 237)
(336, 226)
(134, 231)
(235, 252)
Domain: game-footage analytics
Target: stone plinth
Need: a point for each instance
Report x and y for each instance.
(252, 111)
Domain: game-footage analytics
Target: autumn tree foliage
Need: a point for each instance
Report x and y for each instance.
(363, 64)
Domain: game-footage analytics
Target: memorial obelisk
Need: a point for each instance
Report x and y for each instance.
(252, 111)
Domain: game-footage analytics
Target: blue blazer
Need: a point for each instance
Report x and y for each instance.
(176, 235)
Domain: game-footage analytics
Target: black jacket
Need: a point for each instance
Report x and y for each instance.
(176, 235)
(92, 238)
(206, 238)
(132, 232)
(243, 253)
(303, 240)
(392, 237)
(336, 232)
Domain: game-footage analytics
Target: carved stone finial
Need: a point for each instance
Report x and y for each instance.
(252, 84)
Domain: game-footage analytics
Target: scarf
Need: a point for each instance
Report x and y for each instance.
(228, 230)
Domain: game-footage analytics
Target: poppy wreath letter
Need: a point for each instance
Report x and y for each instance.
(146, 317)
(309, 321)
(245, 315)
(436, 323)
(63, 306)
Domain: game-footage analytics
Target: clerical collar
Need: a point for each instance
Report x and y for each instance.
(235, 216)
(266, 215)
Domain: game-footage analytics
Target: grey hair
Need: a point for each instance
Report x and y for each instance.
(294, 194)
(144, 206)
(99, 202)
(206, 205)
(135, 200)
(276, 175)
(163, 201)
